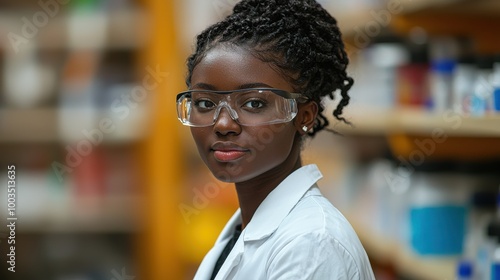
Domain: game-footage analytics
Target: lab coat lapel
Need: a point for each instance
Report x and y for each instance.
(208, 264)
(233, 259)
(267, 217)
(287, 194)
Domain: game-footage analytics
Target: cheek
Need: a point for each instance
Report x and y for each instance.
(273, 144)
(200, 135)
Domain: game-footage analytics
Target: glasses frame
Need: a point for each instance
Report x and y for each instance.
(283, 93)
(300, 98)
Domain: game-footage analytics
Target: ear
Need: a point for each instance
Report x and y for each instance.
(306, 116)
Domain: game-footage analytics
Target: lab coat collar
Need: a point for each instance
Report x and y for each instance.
(280, 202)
(264, 222)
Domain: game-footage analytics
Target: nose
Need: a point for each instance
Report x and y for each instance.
(225, 122)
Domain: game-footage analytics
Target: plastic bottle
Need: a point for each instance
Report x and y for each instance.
(493, 246)
(496, 84)
(443, 53)
(412, 88)
(483, 91)
(441, 79)
(477, 247)
(27, 82)
(463, 83)
(465, 270)
(481, 206)
(495, 260)
(379, 73)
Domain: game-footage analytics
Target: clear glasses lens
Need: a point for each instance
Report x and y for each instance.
(253, 107)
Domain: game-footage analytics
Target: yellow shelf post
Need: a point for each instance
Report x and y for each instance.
(158, 244)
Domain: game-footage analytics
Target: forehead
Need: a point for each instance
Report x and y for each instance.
(232, 67)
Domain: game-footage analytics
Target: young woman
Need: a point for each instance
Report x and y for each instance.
(256, 84)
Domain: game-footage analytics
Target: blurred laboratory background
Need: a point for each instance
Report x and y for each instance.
(110, 186)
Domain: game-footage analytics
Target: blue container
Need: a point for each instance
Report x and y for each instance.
(496, 99)
(465, 270)
(438, 230)
(495, 271)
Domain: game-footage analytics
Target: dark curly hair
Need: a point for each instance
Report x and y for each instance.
(298, 37)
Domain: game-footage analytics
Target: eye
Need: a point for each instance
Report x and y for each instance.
(204, 104)
(254, 104)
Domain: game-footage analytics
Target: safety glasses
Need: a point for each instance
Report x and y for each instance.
(248, 107)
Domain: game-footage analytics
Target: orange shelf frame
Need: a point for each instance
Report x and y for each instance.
(158, 245)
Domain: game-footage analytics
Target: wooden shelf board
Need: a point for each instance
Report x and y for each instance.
(103, 215)
(389, 251)
(41, 125)
(353, 22)
(371, 121)
(430, 268)
(28, 125)
(349, 21)
(463, 7)
(425, 5)
(126, 29)
(452, 124)
(360, 17)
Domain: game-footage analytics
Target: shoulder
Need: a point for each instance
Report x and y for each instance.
(315, 214)
(315, 235)
(313, 255)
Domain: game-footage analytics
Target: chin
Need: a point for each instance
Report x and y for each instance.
(228, 172)
(232, 172)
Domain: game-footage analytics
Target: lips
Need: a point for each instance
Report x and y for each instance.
(228, 151)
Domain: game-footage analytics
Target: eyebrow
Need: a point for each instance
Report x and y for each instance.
(204, 86)
(254, 85)
(249, 85)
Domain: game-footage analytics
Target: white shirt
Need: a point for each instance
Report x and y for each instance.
(295, 233)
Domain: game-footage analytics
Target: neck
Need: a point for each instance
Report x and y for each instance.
(251, 193)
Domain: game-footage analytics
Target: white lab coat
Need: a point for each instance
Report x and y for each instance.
(296, 233)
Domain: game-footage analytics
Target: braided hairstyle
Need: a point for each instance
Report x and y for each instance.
(297, 37)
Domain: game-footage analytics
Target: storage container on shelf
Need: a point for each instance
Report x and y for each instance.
(438, 210)
(480, 100)
(481, 211)
(494, 260)
(463, 82)
(411, 84)
(375, 73)
(465, 270)
(491, 269)
(496, 84)
(440, 84)
(387, 186)
(443, 52)
(27, 81)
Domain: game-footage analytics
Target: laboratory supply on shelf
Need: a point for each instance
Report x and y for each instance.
(376, 75)
(465, 270)
(411, 83)
(463, 81)
(437, 198)
(494, 257)
(443, 52)
(496, 84)
(480, 101)
(440, 84)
